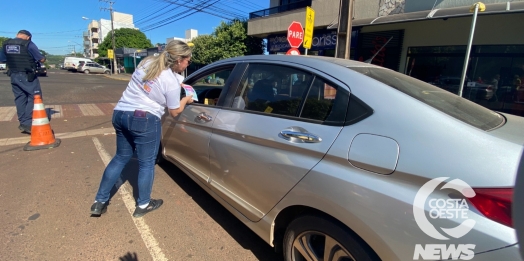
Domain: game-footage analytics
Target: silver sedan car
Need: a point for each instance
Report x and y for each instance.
(331, 159)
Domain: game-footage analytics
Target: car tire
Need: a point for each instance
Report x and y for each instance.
(86, 71)
(106, 72)
(307, 235)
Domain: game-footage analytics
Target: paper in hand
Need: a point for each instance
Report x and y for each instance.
(188, 90)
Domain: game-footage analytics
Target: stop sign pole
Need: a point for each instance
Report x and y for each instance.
(295, 34)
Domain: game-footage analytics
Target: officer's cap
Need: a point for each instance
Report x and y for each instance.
(25, 32)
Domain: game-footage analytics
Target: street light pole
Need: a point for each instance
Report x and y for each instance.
(112, 32)
(114, 50)
(475, 8)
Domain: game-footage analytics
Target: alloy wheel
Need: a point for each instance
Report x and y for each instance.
(317, 246)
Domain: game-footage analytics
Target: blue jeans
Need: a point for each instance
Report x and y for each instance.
(133, 133)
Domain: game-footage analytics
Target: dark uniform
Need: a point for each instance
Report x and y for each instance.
(21, 56)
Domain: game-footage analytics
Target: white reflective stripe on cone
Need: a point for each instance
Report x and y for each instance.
(41, 121)
(39, 106)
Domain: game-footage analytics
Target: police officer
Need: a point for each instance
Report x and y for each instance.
(22, 55)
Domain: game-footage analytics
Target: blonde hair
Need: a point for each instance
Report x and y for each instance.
(175, 51)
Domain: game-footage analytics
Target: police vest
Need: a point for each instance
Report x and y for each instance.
(18, 57)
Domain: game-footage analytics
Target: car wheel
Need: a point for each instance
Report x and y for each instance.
(322, 238)
(86, 71)
(106, 72)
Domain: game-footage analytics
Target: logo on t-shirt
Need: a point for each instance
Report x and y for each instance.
(147, 88)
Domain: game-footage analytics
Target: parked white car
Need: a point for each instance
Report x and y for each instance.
(2, 66)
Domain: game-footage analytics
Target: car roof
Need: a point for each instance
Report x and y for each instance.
(300, 59)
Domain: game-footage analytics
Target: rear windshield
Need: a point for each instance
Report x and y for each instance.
(442, 100)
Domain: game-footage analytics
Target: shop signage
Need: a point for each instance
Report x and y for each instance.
(322, 40)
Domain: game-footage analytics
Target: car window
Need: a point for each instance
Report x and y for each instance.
(272, 89)
(209, 87)
(319, 101)
(442, 100)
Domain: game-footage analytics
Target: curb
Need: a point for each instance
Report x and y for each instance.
(117, 78)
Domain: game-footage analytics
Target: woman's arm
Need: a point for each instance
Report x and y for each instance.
(186, 100)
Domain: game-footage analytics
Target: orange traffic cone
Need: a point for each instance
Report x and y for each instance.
(42, 136)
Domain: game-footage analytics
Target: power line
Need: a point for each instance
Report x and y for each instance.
(162, 14)
(196, 11)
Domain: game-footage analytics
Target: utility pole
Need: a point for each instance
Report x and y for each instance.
(112, 31)
(345, 17)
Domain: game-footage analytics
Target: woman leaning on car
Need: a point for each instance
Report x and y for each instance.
(154, 85)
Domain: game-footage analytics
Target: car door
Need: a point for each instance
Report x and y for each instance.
(97, 68)
(186, 137)
(280, 124)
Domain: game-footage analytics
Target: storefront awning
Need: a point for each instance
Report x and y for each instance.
(442, 13)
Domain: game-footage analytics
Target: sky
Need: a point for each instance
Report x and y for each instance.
(57, 25)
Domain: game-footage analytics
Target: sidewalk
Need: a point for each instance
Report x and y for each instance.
(120, 76)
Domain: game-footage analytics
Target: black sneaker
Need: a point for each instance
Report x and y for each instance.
(25, 128)
(153, 204)
(98, 208)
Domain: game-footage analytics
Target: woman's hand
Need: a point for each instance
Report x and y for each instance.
(189, 99)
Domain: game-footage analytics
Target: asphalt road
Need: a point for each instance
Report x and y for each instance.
(46, 194)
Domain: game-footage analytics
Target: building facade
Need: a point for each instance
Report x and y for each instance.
(98, 30)
(189, 35)
(426, 39)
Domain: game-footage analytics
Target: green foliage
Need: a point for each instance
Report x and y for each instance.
(54, 59)
(124, 37)
(3, 39)
(228, 40)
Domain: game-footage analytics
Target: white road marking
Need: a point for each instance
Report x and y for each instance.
(90, 110)
(129, 201)
(7, 113)
(55, 110)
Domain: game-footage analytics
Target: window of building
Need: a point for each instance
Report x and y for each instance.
(490, 77)
(287, 2)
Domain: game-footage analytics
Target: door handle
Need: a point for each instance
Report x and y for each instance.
(204, 117)
(299, 135)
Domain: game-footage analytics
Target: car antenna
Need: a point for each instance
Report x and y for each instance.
(373, 57)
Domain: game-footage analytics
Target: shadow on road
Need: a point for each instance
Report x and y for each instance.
(241, 233)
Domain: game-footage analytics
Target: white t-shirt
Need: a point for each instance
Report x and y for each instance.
(151, 96)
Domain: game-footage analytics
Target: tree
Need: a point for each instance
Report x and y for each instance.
(3, 39)
(228, 40)
(124, 37)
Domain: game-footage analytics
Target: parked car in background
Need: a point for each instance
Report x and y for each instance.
(41, 70)
(92, 67)
(329, 159)
(71, 63)
(3, 66)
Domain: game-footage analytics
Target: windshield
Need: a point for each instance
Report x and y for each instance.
(442, 100)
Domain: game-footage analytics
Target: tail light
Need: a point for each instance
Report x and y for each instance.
(494, 203)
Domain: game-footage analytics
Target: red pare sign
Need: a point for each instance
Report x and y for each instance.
(295, 34)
